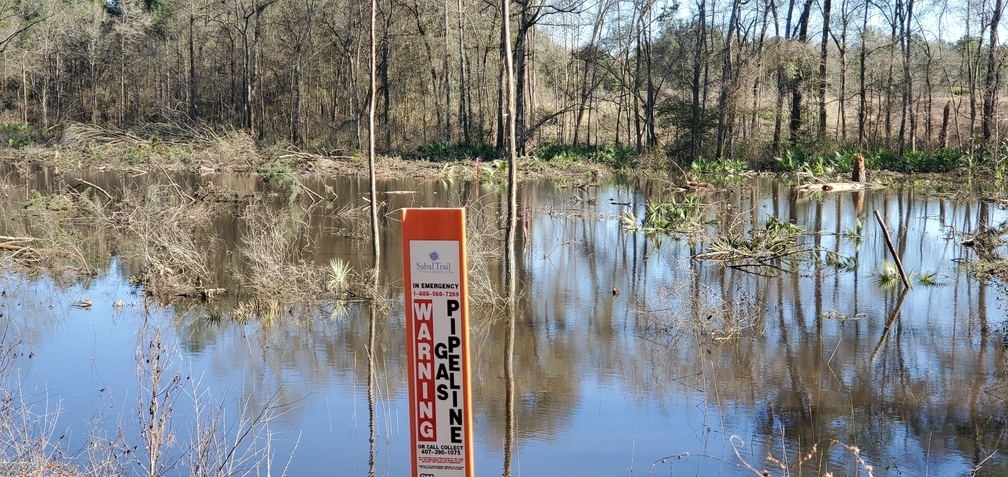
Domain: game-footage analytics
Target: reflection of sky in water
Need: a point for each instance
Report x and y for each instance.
(598, 392)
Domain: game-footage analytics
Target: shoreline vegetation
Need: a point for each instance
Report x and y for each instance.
(203, 150)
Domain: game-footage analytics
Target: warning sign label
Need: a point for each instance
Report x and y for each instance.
(437, 353)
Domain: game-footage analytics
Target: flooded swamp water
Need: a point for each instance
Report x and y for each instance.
(630, 357)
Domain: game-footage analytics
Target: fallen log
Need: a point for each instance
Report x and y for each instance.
(831, 187)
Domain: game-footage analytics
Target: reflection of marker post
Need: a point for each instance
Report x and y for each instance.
(437, 342)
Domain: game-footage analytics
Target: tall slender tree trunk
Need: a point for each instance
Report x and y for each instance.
(929, 93)
(372, 99)
(841, 44)
(972, 68)
(890, 83)
(760, 65)
(192, 66)
(295, 114)
(24, 88)
(797, 84)
(512, 153)
(590, 74)
(701, 41)
(907, 107)
(527, 18)
(632, 82)
(432, 69)
(725, 116)
(862, 84)
(911, 100)
(386, 82)
(822, 67)
(993, 77)
(519, 80)
(122, 79)
(463, 86)
(651, 98)
(248, 79)
(447, 78)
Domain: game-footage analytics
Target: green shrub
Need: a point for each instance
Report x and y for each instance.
(615, 157)
(18, 135)
(279, 173)
(449, 151)
(800, 160)
(724, 166)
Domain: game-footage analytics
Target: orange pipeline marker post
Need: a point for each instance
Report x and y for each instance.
(437, 342)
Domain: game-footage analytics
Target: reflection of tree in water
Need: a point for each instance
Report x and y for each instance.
(546, 381)
(897, 408)
(301, 351)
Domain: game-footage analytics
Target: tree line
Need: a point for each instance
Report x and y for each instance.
(706, 78)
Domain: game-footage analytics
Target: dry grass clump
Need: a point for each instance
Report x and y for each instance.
(692, 309)
(810, 462)
(272, 247)
(235, 151)
(165, 231)
(54, 233)
(485, 244)
(989, 244)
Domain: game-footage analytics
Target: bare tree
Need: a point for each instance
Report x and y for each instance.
(373, 96)
(512, 153)
(728, 84)
(823, 49)
(993, 77)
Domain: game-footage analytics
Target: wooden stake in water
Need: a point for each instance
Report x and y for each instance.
(892, 250)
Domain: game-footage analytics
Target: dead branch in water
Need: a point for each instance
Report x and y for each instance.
(892, 249)
(14, 243)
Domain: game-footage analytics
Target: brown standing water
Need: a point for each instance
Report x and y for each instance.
(629, 357)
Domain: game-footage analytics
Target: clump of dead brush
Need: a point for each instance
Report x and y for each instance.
(56, 232)
(989, 244)
(30, 444)
(163, 229)
(272, 246)
(485, 243)
(235, 150)
(160, 384)
(704, 314)
(782, 466)
(219, 444)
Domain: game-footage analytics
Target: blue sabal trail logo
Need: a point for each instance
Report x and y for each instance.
(434, 265)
